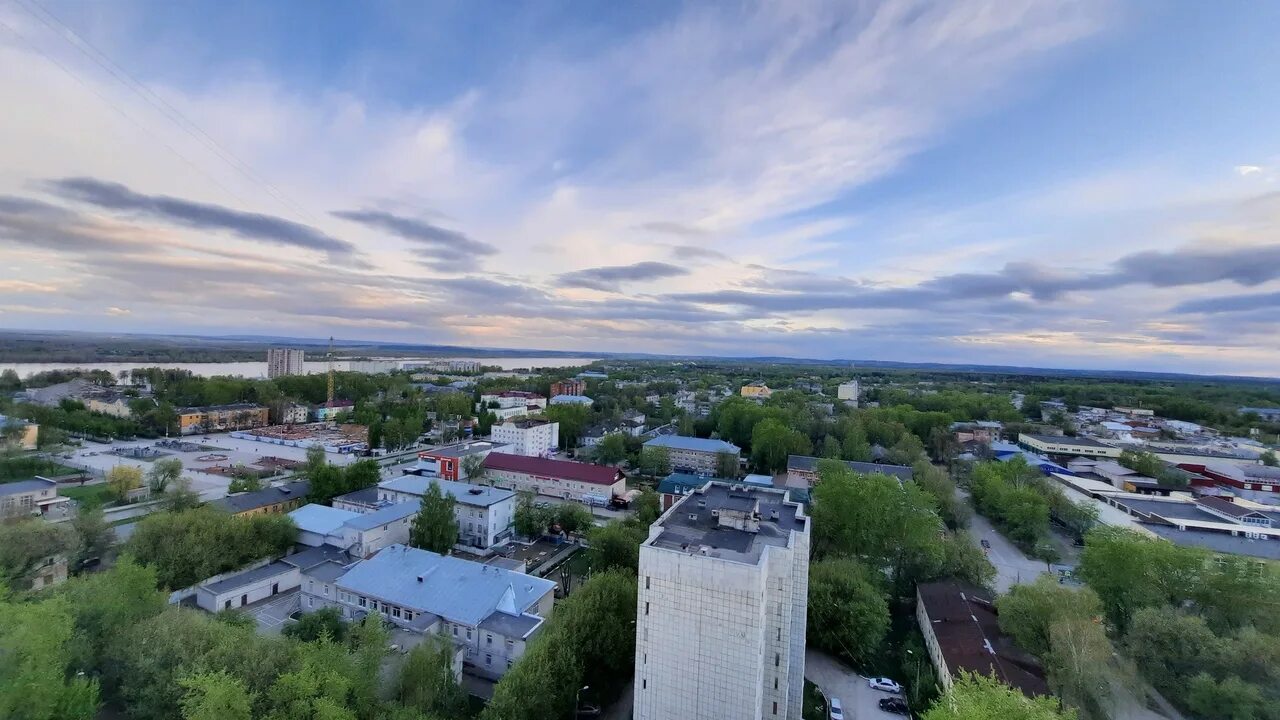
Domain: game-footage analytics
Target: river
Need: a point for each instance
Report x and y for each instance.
(258, 369)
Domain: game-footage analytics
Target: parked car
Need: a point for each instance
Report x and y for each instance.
(895, 705)
(884, 684)
(985, 544)
(836, 710)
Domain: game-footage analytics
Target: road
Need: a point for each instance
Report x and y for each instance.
(1012, 566)
(835, 680)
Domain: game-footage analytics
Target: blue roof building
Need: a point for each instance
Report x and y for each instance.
(684, 442)
(700, 456)
(571, 400)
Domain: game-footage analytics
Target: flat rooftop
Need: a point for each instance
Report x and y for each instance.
(1064, 440)
(461, 449)
(694, 523)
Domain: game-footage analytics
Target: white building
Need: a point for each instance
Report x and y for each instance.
(295, 414)
(721, 608)
(565, 479)
(359, 534)
(484, 513)
(284, 361)
(848, 391)
(535, 438)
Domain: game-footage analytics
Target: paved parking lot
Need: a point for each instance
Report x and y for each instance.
(835, 680)
(272, 613)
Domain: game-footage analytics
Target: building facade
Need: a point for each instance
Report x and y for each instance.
(484, 514)
(1061, 445)
(221, 418)
(698, 456)
(721, 608)
(26, 434)
(36, 496)
(285, 361)
(564, 479)
(572, 386)
(535, 438)
(848, 392)
(272, 500)
(756, 391)
(295, 414)
(446, 462)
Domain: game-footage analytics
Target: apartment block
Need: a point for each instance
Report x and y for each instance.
(284, 361)
(219, 418)
(534, 438)
(484, 513)
(721, 607)
(568, 387)
(699, 456)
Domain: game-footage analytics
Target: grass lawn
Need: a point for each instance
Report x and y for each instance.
(87, 494)
(815, 705)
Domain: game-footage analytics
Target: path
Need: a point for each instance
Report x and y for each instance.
(1013, 567)
(835, 680)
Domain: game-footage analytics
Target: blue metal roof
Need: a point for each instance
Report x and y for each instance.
(26, 486)
(680, 483)
(388, 514)
(683, 442)
(320, 519)
(571, 399)
(464, 493)
(457, 590)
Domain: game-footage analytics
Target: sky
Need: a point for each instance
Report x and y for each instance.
(1060, 184)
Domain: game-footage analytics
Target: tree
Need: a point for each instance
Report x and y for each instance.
(906, 451)
(1129, 571)
(181, 497)
(573, 518)
(848, 612)
(727, 465)
(655, 460)
(1269, 459)
(772, 441)
(311, 626)
(1170, 647)
(94, 537)
(121, 479)
(573, 420)
(614, 545)
(1079, 664)
(980, 697)
(435, 527)
(189, 546)
(647, 507)
(530, 520)
(426, 682)
(1230, 699)
(35, 682)
(963, 559)
(244, 484)
(611, 449)
(162, 473)
(1028, 611)
(26, 544)
(215, 696)
(831, 447)
(473, 469)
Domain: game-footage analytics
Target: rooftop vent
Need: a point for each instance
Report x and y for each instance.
(715, 512)
(421, 578)
(285, 490)
(693, 516)
(702, 503)
(474, 491)
(773, 515)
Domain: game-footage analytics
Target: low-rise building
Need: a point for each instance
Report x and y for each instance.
(572, 400)
(484, 513)
(239, 588)
(512, 403)
(565, 479)
(36, 496)
(756, 391)
(488, 611)
(676, 485)
(218, 418)
(295, 414)
(848, 392)
(802, 470)
(699, 456)
(276, 500)
(115, 404)
(325, 413)
(962, 634)
(25, 434)
(447, 462)
(358, 534)
(528, 436)
(983, 431)
(1071, 446)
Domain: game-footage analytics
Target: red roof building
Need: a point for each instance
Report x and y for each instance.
(565, 479)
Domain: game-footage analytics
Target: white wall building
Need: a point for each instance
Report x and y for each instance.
(284, 361)
(565, 479)
(359, 534)
(295, 414)
(848, 391)
(721, 608)
(484, 513)
(535, 438)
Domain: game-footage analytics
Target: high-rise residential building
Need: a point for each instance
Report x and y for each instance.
(528, 436)
(284, 361)
(721, 607)
(848, 391)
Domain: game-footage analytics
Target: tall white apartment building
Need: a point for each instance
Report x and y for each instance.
(848, 391)
(534, 438)
(284, 361)
(722, 603)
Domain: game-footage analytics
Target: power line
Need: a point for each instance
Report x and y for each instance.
(100, 58)
(121, 111)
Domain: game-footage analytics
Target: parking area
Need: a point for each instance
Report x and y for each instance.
(272, 613)
(835, 680)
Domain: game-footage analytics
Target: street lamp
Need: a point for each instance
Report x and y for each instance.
(577, 697)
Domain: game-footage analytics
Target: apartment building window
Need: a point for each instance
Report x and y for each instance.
(509, 663)
(775, 707)
(488, 639)
(644, 683)
(775, 682)
(646, 608)
(361, 601)
(395, 612)
(468, 633)
(488, 659)
(779, 634)
(777, 660)
(455, 631)
(646, 582)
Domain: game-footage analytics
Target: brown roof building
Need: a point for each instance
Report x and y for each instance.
(962, 633)
(585, 482)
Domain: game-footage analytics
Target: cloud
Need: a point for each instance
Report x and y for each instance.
(1231, 303)
(450, 249)
(608, 278)
(1246, 170)
(1250, 265)
(673, 228)
(693, 253)
(199, 216)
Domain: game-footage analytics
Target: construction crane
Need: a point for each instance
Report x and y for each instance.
(329, 357)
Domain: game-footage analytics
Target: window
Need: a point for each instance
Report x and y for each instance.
(311, 602)
(488, 659)
(311, 586)
(509, 663)
(326, 591)
(775, 707)
(468, 633)
(646, 582)
(455, 631)
(777, 660)
(644, 683)
(646, 608)
(488, 639)
(395, 612)
(779, 634)
(775, 682)
(361, 602)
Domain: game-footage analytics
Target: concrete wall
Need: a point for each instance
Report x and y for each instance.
(247, 594)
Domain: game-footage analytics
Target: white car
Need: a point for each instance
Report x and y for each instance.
(837, 711)
(884, 684)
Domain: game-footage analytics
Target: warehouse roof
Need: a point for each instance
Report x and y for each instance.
(684, 442)
(562, 469)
